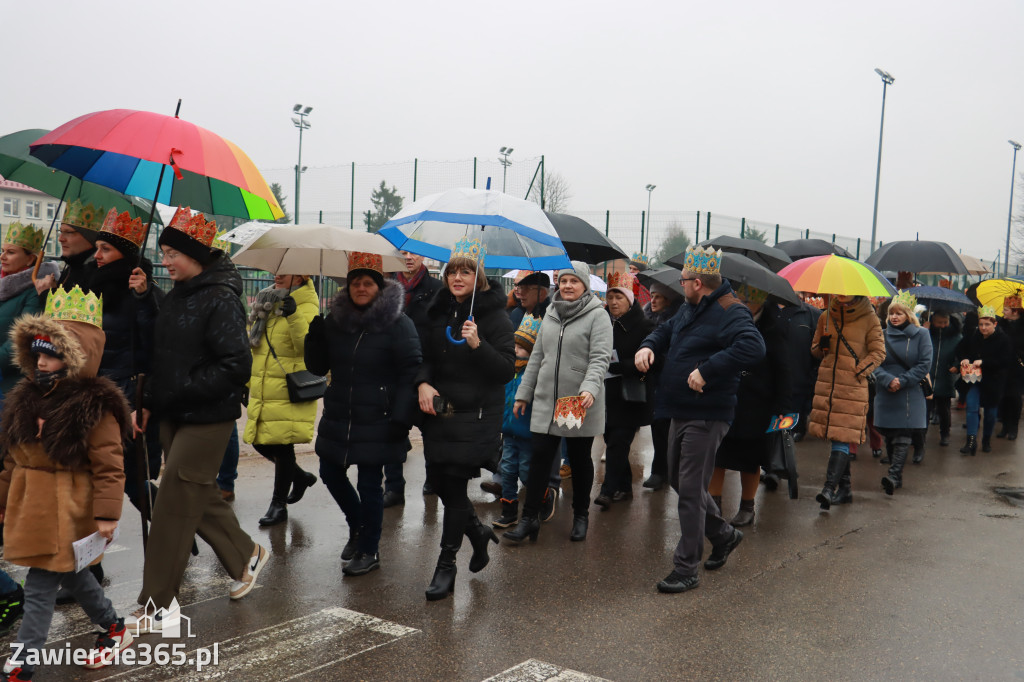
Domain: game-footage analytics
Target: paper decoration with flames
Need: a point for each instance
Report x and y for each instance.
(569, 412)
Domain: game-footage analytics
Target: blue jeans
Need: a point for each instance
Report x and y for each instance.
(841, 447)
(7, 584)
(363, 505)
(229, 467)
(973, 408)
(516, 453)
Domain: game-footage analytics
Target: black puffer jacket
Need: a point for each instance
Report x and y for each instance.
(78, 270)
(373, 357)
(628, 332)
(419, 301)
(472, 380)
(997, 358)
(125, 314)
(766, 387)
(201, 354)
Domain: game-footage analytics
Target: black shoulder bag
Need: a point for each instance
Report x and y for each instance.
(925, 384)
(303, 386)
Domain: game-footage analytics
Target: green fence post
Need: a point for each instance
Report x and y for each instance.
(474, 172)
(807, 233)
(415, 172)
(858, 248)
(542, 204)
(607, 224)
(643, 216)
(321, 216)
(697, 234)
(743, 226)
(352, 200)
(707, 227)
(776, 234)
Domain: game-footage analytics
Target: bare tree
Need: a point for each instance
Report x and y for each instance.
(675, 242)
(556, 193)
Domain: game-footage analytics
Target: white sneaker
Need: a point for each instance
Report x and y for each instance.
(149, 619)
(240, 588)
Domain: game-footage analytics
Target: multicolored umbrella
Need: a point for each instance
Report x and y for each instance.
(994, 292)
(142, 153)
(836, 275)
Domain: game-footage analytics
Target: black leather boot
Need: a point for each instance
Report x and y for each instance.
(970, 447)
(894, 479)
(529, 527)
(986, 445)
(838, 461)
(844, 491)
(580, 523)
(300, 481)
(452, 528)
(479, 535)
(278, 511)
(745, 516)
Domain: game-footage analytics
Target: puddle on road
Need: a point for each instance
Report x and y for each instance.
(1014, 496)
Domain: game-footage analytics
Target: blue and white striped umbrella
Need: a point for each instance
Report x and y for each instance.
(515, 233)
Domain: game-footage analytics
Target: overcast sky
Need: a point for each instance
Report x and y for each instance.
(768, 110)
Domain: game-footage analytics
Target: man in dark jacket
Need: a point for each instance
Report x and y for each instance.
(532, 294)
(703, 350)
(77, 237)
(420, 288)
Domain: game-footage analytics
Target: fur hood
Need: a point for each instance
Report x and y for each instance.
(381, 314)
(69, 412)
(80, 343)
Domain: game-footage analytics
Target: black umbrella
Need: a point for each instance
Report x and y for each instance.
(806, 248)
(917, 256)
(583, 241)
(772, 258)
(942, 300)
(739, 270)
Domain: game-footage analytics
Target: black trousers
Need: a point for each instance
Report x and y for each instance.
(545, 448)
(1009, 411)
(659, 437)
(458, 510)
(618, 476)
(942, 407)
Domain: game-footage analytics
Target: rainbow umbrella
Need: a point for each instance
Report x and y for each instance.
(836, 275)
(150, 155)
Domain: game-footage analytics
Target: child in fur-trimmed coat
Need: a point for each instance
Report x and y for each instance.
(63, 473)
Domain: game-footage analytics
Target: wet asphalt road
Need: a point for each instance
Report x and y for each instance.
(925, 585)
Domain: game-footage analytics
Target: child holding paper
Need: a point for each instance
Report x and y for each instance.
(63, 473)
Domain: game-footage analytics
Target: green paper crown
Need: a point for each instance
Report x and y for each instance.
(28, 237)
(85, 216)
(75, 306)
(906, 299)
(986, 311)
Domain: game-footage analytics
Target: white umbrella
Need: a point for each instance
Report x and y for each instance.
(596, 283)
(313, 249)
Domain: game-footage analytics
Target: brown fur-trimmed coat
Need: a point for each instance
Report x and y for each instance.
(63, 473)
(840, 408)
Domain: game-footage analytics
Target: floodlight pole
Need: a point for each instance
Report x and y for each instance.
(1009, 216)
(302, 124)
(886, 81)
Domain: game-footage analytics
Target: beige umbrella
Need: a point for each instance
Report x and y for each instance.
(309, 249)
(973, 265)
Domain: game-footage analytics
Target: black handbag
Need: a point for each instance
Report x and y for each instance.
(303, 386)
(634, 388)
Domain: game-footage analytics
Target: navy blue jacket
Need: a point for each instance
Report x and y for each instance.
(718, 336)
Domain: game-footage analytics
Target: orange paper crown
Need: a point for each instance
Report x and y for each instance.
(569, 412)
(1012, 301)
(358, 260)
(195, 226)
(124, 226)
(622, 280)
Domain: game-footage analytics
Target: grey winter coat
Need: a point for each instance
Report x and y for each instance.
(906, 408)
(569, 357)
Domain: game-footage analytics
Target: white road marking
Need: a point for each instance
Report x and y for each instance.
(539, 671)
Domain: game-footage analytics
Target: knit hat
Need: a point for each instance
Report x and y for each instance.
(372, 264)
(44, 344)
(622, 282)
(526, 335)
(190, 234)
(580, 270)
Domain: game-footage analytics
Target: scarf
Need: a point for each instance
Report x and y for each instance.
(569, 309)
(47, 380)
(265, 302)
(521, 364)
(410, 283)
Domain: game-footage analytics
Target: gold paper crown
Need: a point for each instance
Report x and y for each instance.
(471, 249)
(906, 299)
(703, 261)
(88, 216)
(751, 294)
(28, 237)
(124, 226)
(986, 311)
(641, 259)
(622, 280)
(75, 306)
(1012, 301)
(195, 226)
(358, 260)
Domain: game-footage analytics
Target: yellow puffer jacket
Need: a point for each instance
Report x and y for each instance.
(273, 419)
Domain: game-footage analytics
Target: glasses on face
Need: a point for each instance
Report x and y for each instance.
(688, 279)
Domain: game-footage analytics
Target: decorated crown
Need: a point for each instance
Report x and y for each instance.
(28, 237)
(528, 329)
(702, 261)
(195, 226)
(641, 260)
(358, 260)
(986, 311)
(85, 216)
(124, 226)
(905, 299)
(1012, 301)
(622, 280)
(220, 243)
(471, 249)
(75, 306)
(751, 294)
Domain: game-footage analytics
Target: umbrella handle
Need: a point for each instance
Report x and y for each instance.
(452, 339)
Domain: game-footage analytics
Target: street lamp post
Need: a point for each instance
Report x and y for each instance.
(1009, 216)
(505, 163)
(649, 188)
(886, 81)
(301, 123)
